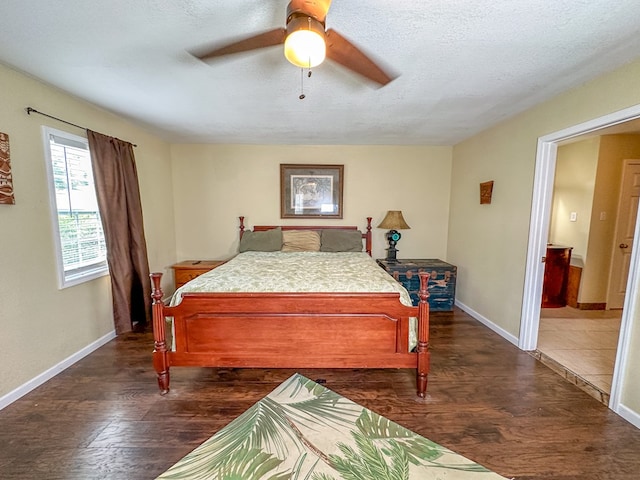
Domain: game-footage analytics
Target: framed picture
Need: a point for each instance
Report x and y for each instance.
(6, 180)
(311, 191)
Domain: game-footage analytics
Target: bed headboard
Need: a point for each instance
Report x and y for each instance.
(366, 235)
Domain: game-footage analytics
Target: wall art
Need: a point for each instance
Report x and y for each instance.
(311, 191)
(6, 180)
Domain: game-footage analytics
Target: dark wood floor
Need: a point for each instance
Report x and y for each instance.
(103, 417)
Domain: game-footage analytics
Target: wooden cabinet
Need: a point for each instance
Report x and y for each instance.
(190, 269)
(556, 276)
(442, 280)
(573, 285)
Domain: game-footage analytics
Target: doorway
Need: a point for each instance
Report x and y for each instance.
(621, 121)
(595, 199)
(578, 335)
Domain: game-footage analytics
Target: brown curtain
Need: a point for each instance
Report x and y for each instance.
(116, 180)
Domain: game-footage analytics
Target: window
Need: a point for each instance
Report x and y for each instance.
(79, 239)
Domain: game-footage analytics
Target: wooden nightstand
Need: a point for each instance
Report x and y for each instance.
(442, 280)
(190, 269)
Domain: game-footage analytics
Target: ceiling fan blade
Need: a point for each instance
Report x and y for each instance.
(314, 8)
(342, 51)
(262, 40)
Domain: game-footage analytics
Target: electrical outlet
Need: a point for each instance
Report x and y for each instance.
(573, 217)
(603, 215)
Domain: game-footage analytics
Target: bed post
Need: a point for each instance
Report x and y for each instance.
(424, 356)
(241, 227)
(160, 360)
(368, 236)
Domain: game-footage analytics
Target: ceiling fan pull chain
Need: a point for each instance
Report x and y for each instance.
(302, 95)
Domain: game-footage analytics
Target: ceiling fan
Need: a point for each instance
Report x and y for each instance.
(307, 42)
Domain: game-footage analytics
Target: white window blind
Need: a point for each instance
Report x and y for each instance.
(80, 243)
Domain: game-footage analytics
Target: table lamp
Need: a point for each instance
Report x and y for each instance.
(394, 221)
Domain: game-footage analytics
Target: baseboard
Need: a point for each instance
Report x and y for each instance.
(592, 306)
(53, 371)
(485, 321)
(629, 415)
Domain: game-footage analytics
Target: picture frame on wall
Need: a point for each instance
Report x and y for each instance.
(6, 178)
(311, 191)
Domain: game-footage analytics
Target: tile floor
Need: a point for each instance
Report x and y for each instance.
(582, 345)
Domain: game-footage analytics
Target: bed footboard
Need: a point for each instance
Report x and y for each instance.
(290, 330)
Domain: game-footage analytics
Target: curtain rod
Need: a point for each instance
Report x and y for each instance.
(30, 110)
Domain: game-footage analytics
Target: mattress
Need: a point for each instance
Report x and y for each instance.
(299, 272)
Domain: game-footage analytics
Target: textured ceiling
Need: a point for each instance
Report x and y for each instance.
(463, 65)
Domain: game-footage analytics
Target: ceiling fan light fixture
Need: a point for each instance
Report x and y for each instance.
(305, 45)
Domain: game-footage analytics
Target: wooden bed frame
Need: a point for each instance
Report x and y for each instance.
(291, 330)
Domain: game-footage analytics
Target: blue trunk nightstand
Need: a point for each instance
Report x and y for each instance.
(442, 280)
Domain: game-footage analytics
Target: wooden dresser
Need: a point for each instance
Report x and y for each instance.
(190, 269)
(442, 280)
(556, 276)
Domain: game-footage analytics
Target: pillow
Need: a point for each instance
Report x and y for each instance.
(341, 241)
(300, 241)
(266, 241)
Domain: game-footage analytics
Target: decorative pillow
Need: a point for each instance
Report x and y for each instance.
(300, 241)
(341, 241)
(266, 241)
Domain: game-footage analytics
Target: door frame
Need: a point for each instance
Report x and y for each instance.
(539, 234)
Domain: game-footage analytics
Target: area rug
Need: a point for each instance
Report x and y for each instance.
(304, 431)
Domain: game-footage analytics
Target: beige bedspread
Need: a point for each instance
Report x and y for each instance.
(299, 272)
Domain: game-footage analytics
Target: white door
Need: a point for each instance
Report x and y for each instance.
(625, 229)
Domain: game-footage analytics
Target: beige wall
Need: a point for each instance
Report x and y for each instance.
(573, 192)
(489, 242)
(41, 325)
(612, 153)
(631, 393)
(214, 184)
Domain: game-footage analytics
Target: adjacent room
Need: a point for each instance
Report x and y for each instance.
(494, 147)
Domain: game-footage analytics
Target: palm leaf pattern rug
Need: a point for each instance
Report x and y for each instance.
(304, 431)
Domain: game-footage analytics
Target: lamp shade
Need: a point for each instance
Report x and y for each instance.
(394, 220)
